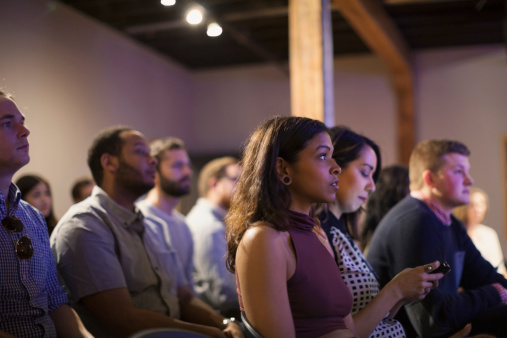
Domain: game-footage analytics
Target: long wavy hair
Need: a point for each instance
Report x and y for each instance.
(347, 147)
(392, 186)
(260, 196)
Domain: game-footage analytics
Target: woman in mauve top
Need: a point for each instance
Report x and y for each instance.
(289, 283)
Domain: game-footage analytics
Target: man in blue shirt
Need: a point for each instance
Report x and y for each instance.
(32, 302)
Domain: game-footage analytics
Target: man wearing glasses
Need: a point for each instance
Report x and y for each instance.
(121, 280)
(215, 284)
(32, 302)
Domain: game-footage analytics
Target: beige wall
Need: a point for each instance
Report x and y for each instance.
(73, 77)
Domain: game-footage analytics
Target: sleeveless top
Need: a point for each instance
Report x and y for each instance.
(357, 274)
(319, 299)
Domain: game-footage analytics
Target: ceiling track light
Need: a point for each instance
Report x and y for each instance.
(194, 16)
(168, 2)
(214, 29)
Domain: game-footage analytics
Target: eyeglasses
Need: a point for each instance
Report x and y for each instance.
(23, 246)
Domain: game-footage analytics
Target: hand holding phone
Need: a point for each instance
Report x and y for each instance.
(443, 268)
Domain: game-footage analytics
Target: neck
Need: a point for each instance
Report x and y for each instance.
(215, 200)
(5, 182)
(471, 226)
(120, 195)
(164, 202)
(428, 193)
(334, 209)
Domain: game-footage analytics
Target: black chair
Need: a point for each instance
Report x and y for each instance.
(251, 332)
(166, 333)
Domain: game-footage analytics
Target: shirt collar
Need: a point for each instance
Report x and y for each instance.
(435, 207)
(128, 218)
(13, 198)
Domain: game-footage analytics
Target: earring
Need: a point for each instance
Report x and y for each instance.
(286, 180)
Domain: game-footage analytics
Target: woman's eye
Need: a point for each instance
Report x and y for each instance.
(322, 156)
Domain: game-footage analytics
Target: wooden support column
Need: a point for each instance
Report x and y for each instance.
(378, 31)
(311, 59)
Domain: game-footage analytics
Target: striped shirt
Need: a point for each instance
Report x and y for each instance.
(29, 289)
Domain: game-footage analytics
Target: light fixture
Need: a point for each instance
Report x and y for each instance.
(194, 16)
(168, 2)
(214, 29)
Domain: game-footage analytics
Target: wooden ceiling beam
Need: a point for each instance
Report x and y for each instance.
(377, 30)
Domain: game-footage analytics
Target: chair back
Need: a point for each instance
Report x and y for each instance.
(251, 332)
(166, 333)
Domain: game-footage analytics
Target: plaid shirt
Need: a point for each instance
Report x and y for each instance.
(29, 289)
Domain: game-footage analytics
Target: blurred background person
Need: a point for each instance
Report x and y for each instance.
(484, 237)
(214, 283)
(81, 189)
(36, 191)
(391, 187)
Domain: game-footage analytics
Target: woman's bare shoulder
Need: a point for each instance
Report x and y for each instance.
(262, 234)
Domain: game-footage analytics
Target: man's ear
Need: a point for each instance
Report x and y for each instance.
(428, 178)
(212, 183)
(109, 162)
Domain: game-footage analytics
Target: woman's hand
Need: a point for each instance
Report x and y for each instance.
(414, 284)
(233, 330)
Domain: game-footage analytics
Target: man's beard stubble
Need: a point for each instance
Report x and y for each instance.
(173, 188)
(130, 178)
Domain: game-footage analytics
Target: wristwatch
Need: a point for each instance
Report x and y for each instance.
(226, 322)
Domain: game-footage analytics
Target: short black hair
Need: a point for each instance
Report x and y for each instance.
(78, 185)
(107, 141)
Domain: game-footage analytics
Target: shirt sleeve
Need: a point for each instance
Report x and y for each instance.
(85, 253)
(421, 241)
(55, 291)
(213, 263)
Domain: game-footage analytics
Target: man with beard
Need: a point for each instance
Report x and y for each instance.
(119, 279)
(214, 283)
(172, 181)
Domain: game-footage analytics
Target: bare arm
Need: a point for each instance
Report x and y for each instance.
(195, 310)
(262, 263)
(408, 285)
(115, 310)
(68, 323)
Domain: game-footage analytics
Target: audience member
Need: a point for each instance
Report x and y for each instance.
(120, 280)
(172, 181)
(36, 191)
(214, 283)
(484, 237)
(373, 309)
(421, 228)
(32, 302)
(391, 187)
(287, 167)
(81, 189)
